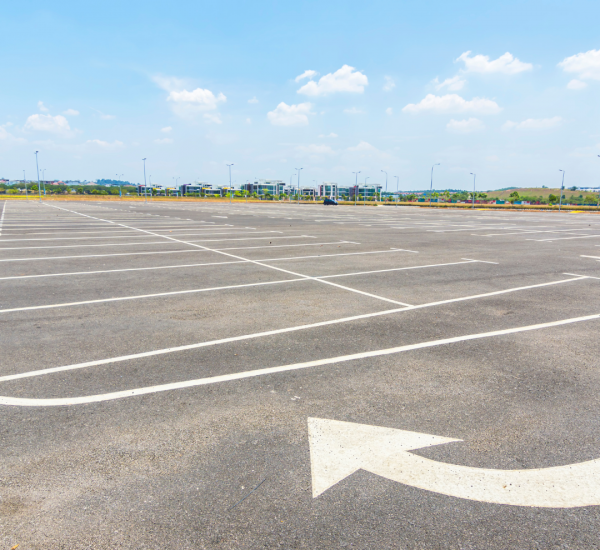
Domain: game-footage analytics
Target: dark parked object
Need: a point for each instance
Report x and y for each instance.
(330, 201)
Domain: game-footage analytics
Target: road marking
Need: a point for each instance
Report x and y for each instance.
(2, 216)
(62, 401)
(595, 257)
(338, 449)
(563, 238)
(252, 336)
(110, 236)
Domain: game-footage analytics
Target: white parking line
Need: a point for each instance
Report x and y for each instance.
(54, 402)
(230, 339)
(2, 216)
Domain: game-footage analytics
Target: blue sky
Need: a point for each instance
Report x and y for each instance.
(508, 90)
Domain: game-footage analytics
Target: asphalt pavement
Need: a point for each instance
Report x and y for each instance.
(196, 375)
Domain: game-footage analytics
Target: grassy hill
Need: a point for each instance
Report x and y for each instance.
(536, 193)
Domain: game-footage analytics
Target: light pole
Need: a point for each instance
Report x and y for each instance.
(291, 186)
(397, 189)
(356, 186)
(474, 175)
(562, 186)
(25, 182)
(597, 206)
(385, 184)
(431, 187)
(145, 187)
(298, 169)
(230, 193)
(38, 175)
(365, 191)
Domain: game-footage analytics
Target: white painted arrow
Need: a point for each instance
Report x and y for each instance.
(338, 449)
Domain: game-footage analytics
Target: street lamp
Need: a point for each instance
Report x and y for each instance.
(474, 175)
(230, 193)
(562, 186)
(356, 186)
(431, 187)
(25, 182)
(597, 206)
(291, 186)
(38, 175)
(365, 193)
(397, 189)
(145, 187)
(385, 184)
(298, 182)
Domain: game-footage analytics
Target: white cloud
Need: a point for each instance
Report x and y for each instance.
(576, 85)
(453, 84)
(453, 103)
(306, 74)
(71, 112)
(163, 141)
(103, 116)
(188, 103)
(389, 84)
(362, 146)
(248, 121)
(332, 135)
(47, 123)
(166, 129)
(353, 111)
(212, 117)
(506, 64)
(389, 111)
(5, 135)
(315, 149)
(346, 79)
(533, 124)
(290, 115)
(585, 64)
(42, 107)
(253, 100)
(104, 144)
(465, 126)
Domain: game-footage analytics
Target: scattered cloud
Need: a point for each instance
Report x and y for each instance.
(166, 130)
(315, 149)
(306, 74)
(506, 64)
(353, 111)
(104, 116)
(362, 146)
(253, 100)
(290, 115)
(453, 103)
(346, 79)
(585, 64)
(71, 112)
(492, 158)
(452, 84)
(533, 124)
(332, 135)
(47, 123)
(6, 136)
(105, 144)
(42, 107)
(576, 85)
(248, 121)
(466, 126)
(189, 103)
(389, 111)
(212, 117)
(163, 141)
(389, 84)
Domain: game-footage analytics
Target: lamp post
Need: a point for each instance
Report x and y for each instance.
(145, 187)
(230, 193)
(298, 182)
(291, 186)
(562, 186)
(365, 191)
(385, 183)
(25, 182)
(356, 186)
(474, 175)
(597, 206)
(431, 187)
(397, 189)
(38, 175)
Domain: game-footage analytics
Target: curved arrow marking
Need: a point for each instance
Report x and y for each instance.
(338, 449)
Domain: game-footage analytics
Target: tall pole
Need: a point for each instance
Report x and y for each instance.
(562, 185)
(145, 187)
(298, 182)
(291, 186)
(597, 206)
(230, 191)
(397, 189)
(38, 175)
(365, 191)
(356, 186)
(431, 187)
(25, 182)
(385, 184)
(474, 175)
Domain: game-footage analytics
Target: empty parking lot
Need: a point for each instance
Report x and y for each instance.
(196, 375)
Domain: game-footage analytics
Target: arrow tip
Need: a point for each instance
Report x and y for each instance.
(338, 449)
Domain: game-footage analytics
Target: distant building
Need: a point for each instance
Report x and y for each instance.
(263, 187)
(372, 190)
